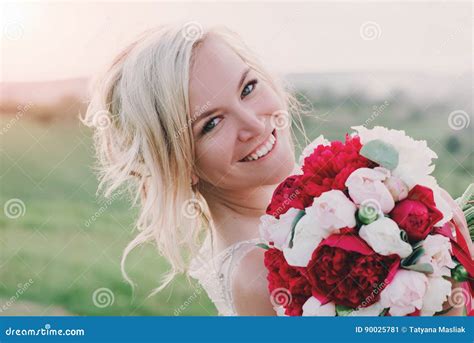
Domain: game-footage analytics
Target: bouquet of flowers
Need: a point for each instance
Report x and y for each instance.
(364, 230)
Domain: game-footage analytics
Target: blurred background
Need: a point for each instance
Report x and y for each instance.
(404, 65)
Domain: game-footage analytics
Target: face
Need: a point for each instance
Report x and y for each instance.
(239, 143)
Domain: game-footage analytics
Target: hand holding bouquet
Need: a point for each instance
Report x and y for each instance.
(364, 230)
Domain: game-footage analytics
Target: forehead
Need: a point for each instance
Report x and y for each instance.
(216, 70)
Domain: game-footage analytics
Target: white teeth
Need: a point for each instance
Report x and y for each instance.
(264, 149)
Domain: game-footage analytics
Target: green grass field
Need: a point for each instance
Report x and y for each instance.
(48, 167)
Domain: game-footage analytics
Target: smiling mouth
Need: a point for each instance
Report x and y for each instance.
(262, 150)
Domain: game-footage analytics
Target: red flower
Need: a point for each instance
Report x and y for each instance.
(288, 194)
(345, 270)
(417, 213)
(328, 167)
(287, 285)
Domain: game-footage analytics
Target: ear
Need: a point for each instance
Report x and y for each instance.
(194, 179)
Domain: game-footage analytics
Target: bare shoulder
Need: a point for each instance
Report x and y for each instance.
(249, 286)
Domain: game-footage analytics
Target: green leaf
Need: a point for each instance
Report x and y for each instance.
(263, 246)
(413, 257)
(381, 152)
(422, 268)
(295, 221)
(343, 310)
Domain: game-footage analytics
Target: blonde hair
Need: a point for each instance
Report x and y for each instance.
(143, 138)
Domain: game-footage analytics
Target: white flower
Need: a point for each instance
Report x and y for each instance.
(280, 311)
(332, 211)
(309, 149)
(367, 184)
(329, 213)
(383, 235)
(405, 293)
(414, 162)
(277, 230)
(438, 254)
(307, 238)
(313, 307)
(436, 294)
(396, 187)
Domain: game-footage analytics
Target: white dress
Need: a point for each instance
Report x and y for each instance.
(215, 273)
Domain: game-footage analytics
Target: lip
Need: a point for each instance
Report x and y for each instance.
(269, 153)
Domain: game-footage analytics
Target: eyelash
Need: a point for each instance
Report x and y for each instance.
(252, 83)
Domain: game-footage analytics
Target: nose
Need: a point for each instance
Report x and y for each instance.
(251, 125)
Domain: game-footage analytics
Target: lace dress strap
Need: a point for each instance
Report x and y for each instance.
(215, 273)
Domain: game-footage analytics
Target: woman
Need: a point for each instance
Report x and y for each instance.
(190, 124)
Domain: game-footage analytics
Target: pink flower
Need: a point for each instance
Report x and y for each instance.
(405, 293)
(366, 184)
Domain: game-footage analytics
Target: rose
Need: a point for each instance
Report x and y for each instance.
(383, 235)
(282, 275)
(366, 184)
(345, 270)
(417, 213)
(288, 195)
(405, 293)
(328, 167)
(276, 231)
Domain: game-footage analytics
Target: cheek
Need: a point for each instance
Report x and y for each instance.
(213, 158)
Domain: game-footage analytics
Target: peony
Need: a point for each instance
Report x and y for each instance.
(405, 293)
(309, 149)
(328, 167)
(438, 254)
(383, 235)
(345, 270)
(290, 280)
(396, 187)
(417, 214)
(436, 294)
(367, 184)
(276, 231)
(332, 211)
(313, 307)
(288, 195)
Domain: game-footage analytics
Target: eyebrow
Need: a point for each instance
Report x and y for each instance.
(211, 111)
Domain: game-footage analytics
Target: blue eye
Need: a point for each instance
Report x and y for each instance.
(211, 124)
(249, 87)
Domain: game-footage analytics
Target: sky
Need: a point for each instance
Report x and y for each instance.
(48, 40)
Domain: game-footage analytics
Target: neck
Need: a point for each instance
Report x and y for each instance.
(236, 214)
